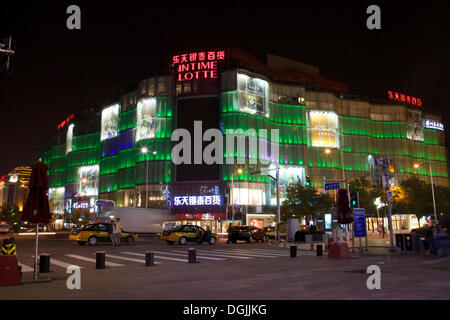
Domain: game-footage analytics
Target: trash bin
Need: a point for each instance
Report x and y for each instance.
(400, 241)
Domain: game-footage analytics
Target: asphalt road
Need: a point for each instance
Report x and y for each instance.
(226, 272)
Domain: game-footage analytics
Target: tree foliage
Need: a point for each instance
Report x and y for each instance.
(304, 202)
(368, 193)
(11, 215)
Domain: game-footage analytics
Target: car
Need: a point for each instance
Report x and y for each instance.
(99, 232)
(4, 227)
(246, 233)
(270, 233)
(187, 233)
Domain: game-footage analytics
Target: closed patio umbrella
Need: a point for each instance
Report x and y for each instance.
(37, 208)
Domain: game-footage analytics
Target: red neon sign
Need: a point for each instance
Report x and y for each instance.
(65, 122)
(198, 65)
(400, 97)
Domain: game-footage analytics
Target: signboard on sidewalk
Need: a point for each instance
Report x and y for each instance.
(389, 196)
(332, 186)
(359, 216)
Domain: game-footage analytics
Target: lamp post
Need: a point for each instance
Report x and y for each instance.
(416, 166)
(145, 151)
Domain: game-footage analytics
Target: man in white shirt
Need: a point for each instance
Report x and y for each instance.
(117, 231)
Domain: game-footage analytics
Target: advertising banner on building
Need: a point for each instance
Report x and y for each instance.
(253, 95)
(414, 129)
(146, 119)
(69, 138)
(110, 122)
(324, 129)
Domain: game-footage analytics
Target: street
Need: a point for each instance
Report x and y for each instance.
(226, 272)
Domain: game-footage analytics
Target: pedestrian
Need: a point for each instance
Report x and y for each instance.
(230, 234)
(117, 232)
(111, 227)
(200, 234)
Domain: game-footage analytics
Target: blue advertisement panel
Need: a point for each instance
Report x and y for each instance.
(359, 216)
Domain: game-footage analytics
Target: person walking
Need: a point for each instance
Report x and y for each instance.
(111, 228)
(117, 232)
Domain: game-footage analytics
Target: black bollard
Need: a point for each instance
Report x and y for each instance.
(319, 249)
(149, 259)
(44, 263)
(192, 255)
(293, 250)
(100, 260)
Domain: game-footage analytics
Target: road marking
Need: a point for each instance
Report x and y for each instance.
(156, 257)
(110, 264)
(60, 263)
(26, 268)
(275, 254)
(128, 259)
(245, 254)
(185, 254)
(221, 255)
(437, 260)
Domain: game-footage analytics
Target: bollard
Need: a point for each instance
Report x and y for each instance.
(192, 255)
(100, 260)
(149, 259)
(293, 250)
(44, 263)
(319, 249)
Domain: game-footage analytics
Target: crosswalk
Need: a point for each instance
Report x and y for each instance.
(174, 255)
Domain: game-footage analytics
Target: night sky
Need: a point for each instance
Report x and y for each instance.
(58, 72)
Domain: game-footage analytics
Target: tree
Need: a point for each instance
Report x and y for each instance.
(79, 216)
(368, 193)
(304, 201)
(415, 197)
(11, 215)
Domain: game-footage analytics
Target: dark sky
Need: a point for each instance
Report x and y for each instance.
(58, 72)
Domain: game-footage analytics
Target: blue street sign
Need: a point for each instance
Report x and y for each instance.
(100, 203)
(332, 186)
(359, 217)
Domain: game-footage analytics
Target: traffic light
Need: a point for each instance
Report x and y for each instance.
(308, 181)
(354, 199)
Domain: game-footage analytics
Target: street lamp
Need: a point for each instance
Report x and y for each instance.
(144, 150)
(238, 171)
(416, 166)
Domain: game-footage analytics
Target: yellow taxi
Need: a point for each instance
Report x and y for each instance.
(188, 233)
(270, 233)
(99, 232)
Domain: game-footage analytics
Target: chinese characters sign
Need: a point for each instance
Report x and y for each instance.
(400, 97)
(431, 124)
(198, 65)
(65, 122)
(197, 201)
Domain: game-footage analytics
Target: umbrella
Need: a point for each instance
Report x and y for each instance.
(37, 209)
(345, 213)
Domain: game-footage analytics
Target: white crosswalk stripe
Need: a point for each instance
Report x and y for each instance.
(213, 253)
(60, 263)
(156, 257)
(26, 268)
(185, 254)
(250, 254)
(109, 264)
(127, 259)
(275, 254)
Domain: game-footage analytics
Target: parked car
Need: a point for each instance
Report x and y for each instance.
(270, 233)
(4, 227)
(187, 233)
(99, 232)
(247, 234)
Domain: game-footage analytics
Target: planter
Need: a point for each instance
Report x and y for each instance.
(315, 237)
(300, 237)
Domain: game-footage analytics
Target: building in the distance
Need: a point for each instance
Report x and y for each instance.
(14, 187)
(121, 151)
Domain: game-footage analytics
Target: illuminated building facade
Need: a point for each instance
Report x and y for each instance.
(98, 153)
(14, 187)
